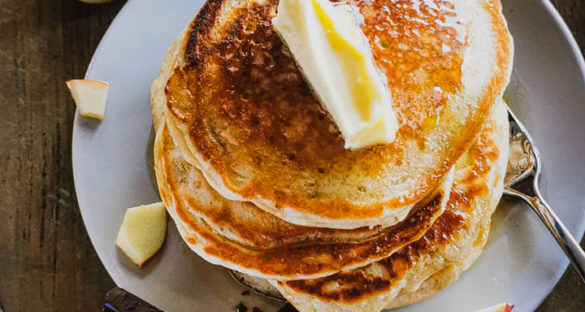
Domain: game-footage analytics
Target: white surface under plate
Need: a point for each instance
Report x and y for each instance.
(521, 263)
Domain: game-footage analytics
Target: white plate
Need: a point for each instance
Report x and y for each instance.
(521, 264)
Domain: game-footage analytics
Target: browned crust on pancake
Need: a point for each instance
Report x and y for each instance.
(296, 261)
(317, 154)
(200, 27)
(265, 236)
(364, 285)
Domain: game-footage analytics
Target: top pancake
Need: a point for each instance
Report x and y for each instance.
(257, 132)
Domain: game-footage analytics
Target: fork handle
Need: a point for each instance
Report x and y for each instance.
(563, 237)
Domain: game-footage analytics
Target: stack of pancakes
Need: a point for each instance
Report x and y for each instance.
(256, 177)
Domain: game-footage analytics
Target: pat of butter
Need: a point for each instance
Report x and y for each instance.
(335, 57)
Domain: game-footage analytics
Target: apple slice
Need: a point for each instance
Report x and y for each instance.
(90, 96)
(142, 232)
(502, 307)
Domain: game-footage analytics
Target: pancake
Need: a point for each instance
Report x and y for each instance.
(426, 266)
(240, 236)
(234, 225)
(242, 113)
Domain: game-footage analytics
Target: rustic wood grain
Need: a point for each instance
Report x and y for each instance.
(47, 262)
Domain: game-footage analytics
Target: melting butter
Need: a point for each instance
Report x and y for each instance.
(334, 55)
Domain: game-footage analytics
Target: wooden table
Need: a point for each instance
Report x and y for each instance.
(47, 262)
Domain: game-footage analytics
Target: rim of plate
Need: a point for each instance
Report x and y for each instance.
(576, 51)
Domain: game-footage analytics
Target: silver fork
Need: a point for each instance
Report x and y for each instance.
(521, 182)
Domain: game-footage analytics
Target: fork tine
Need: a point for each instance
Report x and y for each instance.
(525, 164)
(512, 118)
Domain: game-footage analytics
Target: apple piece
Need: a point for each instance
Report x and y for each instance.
(502, 307)
(89, 96)
(142, 232)
(95, 1)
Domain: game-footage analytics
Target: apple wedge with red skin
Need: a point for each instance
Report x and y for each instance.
(89, 96)
(502, 307)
